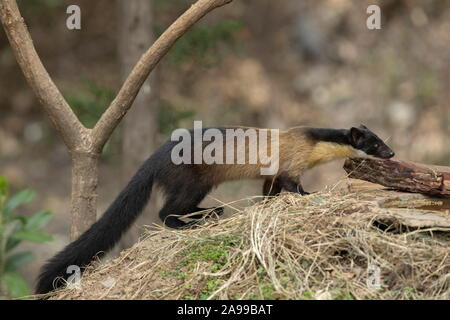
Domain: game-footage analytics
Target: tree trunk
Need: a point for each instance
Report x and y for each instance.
(140, 125)
(84, 192)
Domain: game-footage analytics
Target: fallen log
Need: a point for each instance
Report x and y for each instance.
(401, 175)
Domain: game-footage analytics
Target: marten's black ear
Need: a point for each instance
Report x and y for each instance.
(363, 126)
(356, 136)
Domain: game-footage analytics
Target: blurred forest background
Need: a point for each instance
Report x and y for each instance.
(260, 63)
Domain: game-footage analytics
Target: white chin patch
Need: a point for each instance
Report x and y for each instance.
(362, 154)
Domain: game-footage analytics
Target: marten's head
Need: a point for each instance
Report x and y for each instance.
(364, 140)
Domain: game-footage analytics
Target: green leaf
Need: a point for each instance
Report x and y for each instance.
(31, 235)
(20, 198)
(3, 190)
(22, 221)
(15, 285)
(38, 220)
(11, 243)
(18, 260)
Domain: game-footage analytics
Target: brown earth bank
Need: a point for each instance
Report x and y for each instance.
(358, 241)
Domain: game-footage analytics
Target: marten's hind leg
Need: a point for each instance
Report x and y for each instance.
(182, 202)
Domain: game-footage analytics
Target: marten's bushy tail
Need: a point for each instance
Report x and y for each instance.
(103, 234)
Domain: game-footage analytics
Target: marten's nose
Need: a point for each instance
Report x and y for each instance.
(391, 154)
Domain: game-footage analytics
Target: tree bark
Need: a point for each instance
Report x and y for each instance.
(400, 175)
(140, 126)
(84, 192)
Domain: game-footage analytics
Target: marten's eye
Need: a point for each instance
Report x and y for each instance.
(375, 145)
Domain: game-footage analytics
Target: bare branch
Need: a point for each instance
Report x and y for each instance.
(124, 99)
(54, 104)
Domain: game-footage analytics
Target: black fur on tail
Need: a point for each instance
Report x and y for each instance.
(103, 234)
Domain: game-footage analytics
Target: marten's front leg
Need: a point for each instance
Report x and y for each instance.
(300, 189)
(291, 185)
(271, 187)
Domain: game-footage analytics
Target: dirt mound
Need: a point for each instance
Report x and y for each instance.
(329, 245)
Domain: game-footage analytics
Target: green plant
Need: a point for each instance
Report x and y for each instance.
(45, 11)
(90, 102)
(44, 3)
(212, 250)
(15, 229)
(202, 44)
(171, 116)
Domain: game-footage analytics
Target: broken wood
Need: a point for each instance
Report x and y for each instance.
(398, 209)
(401, 175)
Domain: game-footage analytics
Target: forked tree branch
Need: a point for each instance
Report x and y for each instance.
(124, 99)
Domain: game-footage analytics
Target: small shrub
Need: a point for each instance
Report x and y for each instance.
(15, 229)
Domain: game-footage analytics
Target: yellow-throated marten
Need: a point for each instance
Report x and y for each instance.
(185, 186)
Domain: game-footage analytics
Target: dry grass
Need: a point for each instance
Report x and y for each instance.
(290, 247)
